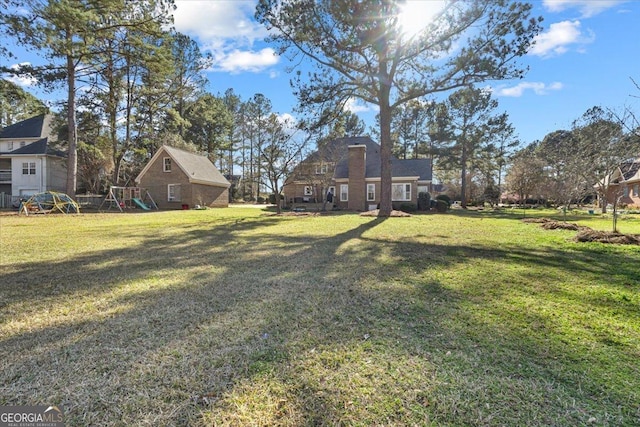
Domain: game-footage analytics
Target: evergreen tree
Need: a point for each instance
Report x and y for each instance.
(361, 52)
(16, 104)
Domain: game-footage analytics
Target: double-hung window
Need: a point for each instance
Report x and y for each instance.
(344, 192)
(173, 193)
(371, 192)
(166, 164)
(322, 169)
(401, 192)
(29, 168)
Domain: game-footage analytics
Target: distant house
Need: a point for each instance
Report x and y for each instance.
(349, 169)
(624, 183)
(177, 179)
(28, 162)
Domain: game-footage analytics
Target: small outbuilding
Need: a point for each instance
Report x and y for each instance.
(177, 179)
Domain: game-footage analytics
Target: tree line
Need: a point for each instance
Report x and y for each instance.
(574, 165)
(133, 82)
(142, 77)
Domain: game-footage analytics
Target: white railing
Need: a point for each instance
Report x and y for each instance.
(7, 200)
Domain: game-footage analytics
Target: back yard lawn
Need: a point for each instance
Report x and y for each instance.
(240, 317)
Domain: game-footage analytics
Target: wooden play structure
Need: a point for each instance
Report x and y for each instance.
(47, 202)
(128, 198)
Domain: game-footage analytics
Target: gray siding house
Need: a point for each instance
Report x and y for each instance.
(29, 163)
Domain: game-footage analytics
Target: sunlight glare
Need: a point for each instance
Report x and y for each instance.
(415, 15)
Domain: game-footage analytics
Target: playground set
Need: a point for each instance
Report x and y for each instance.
(128, 198)
(47, 202)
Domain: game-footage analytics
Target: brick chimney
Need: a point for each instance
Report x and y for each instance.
(357, 173)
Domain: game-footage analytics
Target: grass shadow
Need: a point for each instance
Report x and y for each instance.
(228, 321)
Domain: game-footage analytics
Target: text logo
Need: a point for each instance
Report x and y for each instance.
(31, 416)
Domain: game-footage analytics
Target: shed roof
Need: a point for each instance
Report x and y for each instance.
(198, 168)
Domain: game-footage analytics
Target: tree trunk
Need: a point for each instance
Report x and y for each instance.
(463, 186)
(276, 189)
(385, 161)
(72, 160)
(385, 140)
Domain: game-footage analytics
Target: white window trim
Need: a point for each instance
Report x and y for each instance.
(371, 191)
(406, 192)
(28, 168)
(344, 193)
(322, 169)
(164, 164)
(308, 190)
(173, 198)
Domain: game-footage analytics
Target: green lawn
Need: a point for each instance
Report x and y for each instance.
(240, 317)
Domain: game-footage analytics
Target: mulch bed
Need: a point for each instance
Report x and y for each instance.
(607, 237)
(586, 234)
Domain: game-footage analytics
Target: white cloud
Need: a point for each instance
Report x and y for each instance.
(237, 61)
(557, 39)
(21, 79)
(288, 121)
(517, 91)
(218, 19)
(227, 30)
(587, 8)
(356, 106)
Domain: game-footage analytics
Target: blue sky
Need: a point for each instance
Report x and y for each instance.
(586, 55)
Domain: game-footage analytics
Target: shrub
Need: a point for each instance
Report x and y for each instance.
(444, 198)
(407, 207)
(261, 199)
(441, 205)
(272, 198)
(424, 201)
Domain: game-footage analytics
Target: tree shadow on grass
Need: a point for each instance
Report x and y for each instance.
(199, 322)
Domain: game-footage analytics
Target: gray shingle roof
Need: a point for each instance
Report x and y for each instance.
(39, 147)
(630, 169)
(198, 168)
(34, 127)
(399, 168)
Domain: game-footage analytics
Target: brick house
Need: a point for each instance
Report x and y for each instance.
(625, 184)
(177, 179)
(349, 169)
